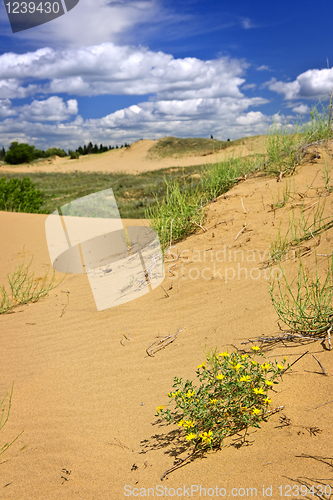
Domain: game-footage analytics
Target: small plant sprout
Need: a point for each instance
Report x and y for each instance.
(233, 395)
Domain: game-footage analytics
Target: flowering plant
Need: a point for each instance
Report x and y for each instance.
(233, 395)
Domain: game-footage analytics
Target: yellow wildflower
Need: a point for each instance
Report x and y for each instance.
(255, 411)
(280, 367)
(285, 359)
(244, 356)
(244, 378)
(267, 401)
(160, 407)
(190, 394)
(265, 366)
(220, 376)
(191, 436)
(258, 391)
(202, 365)
(237, 367)
(181, 422)
(268, 382)
(254, 362)
(213, 401)
(224, 354)
(188, 423)
(255, 348)
(206, 436)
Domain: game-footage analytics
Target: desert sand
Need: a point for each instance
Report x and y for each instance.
(134, 159)
(86, 397)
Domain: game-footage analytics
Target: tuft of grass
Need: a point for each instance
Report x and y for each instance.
(181, 211)
(24, 288)
(232, 396)
(279, 247)
(304, 303)
(286, 196)
(304, 228)
(222, 176)
(281, 148)
(4, 416)
(177, 215)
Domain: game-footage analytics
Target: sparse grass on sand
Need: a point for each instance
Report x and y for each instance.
(5, 406)
(305, 302)
(177, 147)
(24, 287)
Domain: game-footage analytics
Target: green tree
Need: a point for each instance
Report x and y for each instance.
(20, 153)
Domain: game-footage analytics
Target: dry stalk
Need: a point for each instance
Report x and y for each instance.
(240, 232)
(162, 343)
(319, 363)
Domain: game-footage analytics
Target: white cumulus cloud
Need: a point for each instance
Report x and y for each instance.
(312, 84)
(5, 108)
(51, 109)
(124, 70)
(301, 109)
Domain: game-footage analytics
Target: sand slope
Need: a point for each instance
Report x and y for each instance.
(134, 159)
(86, 401)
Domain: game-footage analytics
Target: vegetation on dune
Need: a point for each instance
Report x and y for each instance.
(176, 146)
(233, 395)
(24, 288)
(5, 406)
(20, 196)
(24, 153)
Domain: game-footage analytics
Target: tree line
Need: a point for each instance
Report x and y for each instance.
(24, 153)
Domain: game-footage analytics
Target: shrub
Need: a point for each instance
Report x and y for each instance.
(74, 155)
(233, 396)
(20, 196)
(55, 152)
(20, 153)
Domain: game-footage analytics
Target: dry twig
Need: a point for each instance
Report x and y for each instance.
(319, 363)
(162, 344)
(240, 232)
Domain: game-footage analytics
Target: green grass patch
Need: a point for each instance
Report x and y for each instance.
(175, 146)
(133, 193)
(305, 302)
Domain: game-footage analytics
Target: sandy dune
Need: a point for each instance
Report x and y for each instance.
(86, 397)
(133, 160)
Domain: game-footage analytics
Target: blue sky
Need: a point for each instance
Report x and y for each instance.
(117, 71)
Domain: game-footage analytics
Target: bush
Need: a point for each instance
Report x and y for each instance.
(55, 152)
(233, 396)
(20, 196)
(20, 153)
(75, 155)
